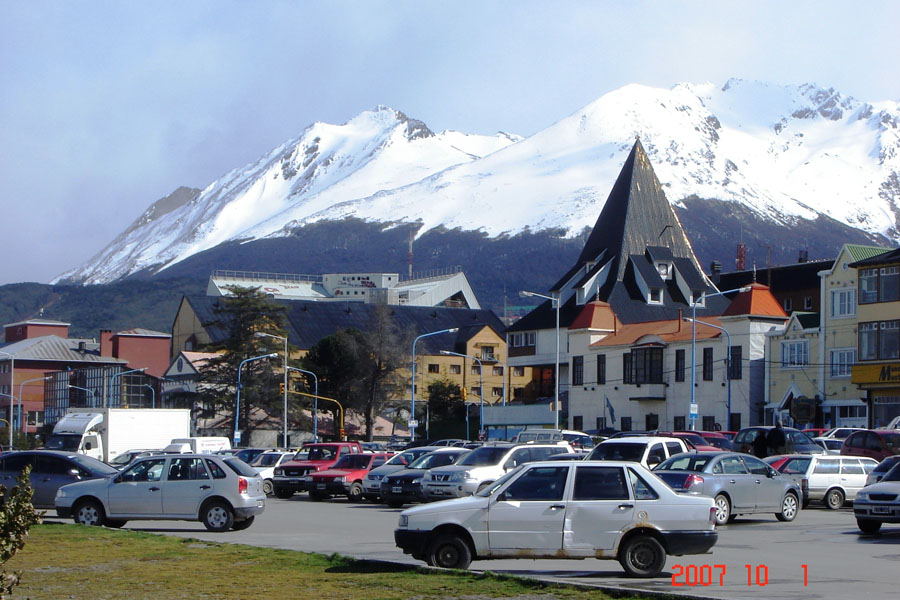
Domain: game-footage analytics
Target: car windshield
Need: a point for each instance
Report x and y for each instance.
(240, 467)
(685, 462)
(321, 453)
(886, 465)
(266, 460)
(892, 441)
(434, 459)
(93, 465)
(486, 455)
(353, 461)
(893, 474)
(122, 459)
(68, 443)
(618, 451)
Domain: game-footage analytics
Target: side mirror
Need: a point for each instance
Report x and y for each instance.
(771, 473)
(87, 446)
(75, 473)
(510, 464)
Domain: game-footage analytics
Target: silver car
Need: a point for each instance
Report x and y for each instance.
(739, 484)
(221, 491)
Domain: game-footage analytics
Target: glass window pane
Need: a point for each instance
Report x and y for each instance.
(600, 483)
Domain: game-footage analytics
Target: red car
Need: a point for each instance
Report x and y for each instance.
(717, 439)
(693, 439)
(874, 443)
(345, 478)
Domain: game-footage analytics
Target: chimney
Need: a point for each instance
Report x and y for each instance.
(82, 346)
(106, 345)
(715, 267)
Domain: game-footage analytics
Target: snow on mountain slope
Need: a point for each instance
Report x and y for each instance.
(786, 152)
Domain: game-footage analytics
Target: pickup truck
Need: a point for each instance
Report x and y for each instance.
(610, 510)
(290, 477)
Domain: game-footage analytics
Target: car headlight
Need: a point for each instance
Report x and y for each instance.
(403, 523)
(340, 479)
(308, 478)
(426, 477)
(862, 495)
(417, 481)
(60, 493)
(373, 477)
(279, 472)
(459, 476)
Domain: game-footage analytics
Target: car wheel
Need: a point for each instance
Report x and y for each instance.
(394, 503)
(789, 508)
(283, 494)
(449, 552)
(115, 524)
(89, 512)
(642, 556)
(868, 525)
(723, 509)
(268, 487)
(218, 516)
(241, 525)
(834, 499)
(354, 494)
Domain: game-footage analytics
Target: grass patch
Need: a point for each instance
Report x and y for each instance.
(62, 561)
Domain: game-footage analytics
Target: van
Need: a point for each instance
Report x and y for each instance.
(198, 445)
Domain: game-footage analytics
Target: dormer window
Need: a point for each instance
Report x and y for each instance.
(664, 270)
(656, 296)
(698, 298)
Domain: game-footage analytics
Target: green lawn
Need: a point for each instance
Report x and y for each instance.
(62, 561)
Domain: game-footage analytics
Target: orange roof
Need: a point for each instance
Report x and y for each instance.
(668, 331)
(596, 315)
(757, 301)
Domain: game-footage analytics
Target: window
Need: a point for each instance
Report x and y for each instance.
(889, 284)
(655, 296)
(577, 370)
(187, 469)
(807, 303)
(455, 370)
(644, 365)
(601, 369)
(651, 420)
(518, 392)
(475, 390)
(709, 424)
(788, 305)
(433, 368)
(868, 341)
(487, 353)
(578, 422)
(843, 303)
(642, 491)
(679, 366)
(795, 353)
(525, 338)
(519, 371)
(679, 424)
(147, 470)
(879, 340)
(852, 412)
(476, 369)
(600, 483)
(540, 483)
(36, 418)
(736, 368)
(841, 361)
(707, 364)
(497, 391)
(626, 423)
(626, 368)
(831, 467)
(497, 371)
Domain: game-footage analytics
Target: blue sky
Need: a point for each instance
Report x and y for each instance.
(108, 106)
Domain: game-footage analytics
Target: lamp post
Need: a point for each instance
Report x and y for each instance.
(480, 387)
(12, 385)
(727, 369)
(412, 416)
(694, 304)
(237, 402)
(89, 391)
(22, 385)
(553, 299)
(152, 395)
(315, 403)
(113, 376)
(285, 414)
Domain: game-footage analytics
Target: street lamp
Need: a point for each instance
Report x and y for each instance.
(12, 385)
(480, 384)
(727, 369)
(315, 403)
(554, 299)
(22, 385)
(89, 391)
(152, 395)
(412, 416)
(702, 299)
(113, 376)
(237, 402)
(285, 414)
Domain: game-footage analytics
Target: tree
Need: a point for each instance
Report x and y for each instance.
(16, 518)
(334, 361)
(242, 314)
(447, 410)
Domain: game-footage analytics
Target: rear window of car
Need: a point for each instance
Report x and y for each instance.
(618, 451)
(892, 441)
(685, 462)
(215, 469)
(240, 467)
(92, 465)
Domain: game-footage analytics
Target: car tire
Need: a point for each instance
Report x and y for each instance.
(723, 509)
(89, 512)
(449, 552)
(115, 523)
(268, 487)
(218, 516)
(355, 493)
(834, 499)
(642, 556)
(868, 525)
(242, 525)
(789, 507)
(283, 494)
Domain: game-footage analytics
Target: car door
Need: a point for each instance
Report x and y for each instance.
(186, 485)
(769, 489)
(48, 475)
(739, 484)
(853, 475)
(13, 465)
(137, 491)
(600, 509)
(528, 515)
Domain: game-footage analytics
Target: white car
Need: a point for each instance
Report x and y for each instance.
(611, 510)
(647, 450)
(221, 491)
(265, 464)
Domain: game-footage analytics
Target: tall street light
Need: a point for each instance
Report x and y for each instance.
(12, 385)
(89, 391)
(152, 395)
(480, 387)
(553, 299)
(285, 414)
(237, 401)
(701, 299)
(113, 376)
(727, 369)
(412, 416)
(21, 386)
(315, 403)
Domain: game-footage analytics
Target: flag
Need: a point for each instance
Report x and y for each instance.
(612, 413)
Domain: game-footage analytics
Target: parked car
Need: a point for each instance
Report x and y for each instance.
(372, 481)
(483, 466)
(831, 445)
(815, 432)
(245, 454)
(50, 470)
(717, 439)
(222, 492)
(577, 439)
(693, 439)
(373, 447)
(345, 477)
(829, 479)
(562, 510)
(124, 459)
(739, 483)
(405, 485)
(874, 443)
(796, 442)
(647, 450)
(879, 503)
(265, 464)
(290, 476)
(841, 433)
(876, 474)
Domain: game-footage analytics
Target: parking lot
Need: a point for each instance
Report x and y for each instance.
(819, 555)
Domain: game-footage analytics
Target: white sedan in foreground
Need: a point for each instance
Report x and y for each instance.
(221, 491)
(579, 509)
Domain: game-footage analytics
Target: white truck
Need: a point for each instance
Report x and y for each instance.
(104, 433)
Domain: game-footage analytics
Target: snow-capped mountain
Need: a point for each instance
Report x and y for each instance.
(785, 152)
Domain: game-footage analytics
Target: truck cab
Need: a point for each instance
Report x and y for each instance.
(78, 432)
